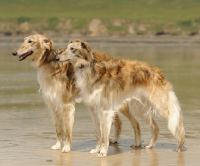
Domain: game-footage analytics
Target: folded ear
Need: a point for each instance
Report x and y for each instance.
(85, 46)
(47, 43)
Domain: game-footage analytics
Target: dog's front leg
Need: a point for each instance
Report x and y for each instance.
(96, 122)
(68, 122)
(106, 118)
(59, 130)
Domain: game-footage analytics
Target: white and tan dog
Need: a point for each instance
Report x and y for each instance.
(104, 85)
(57, 84)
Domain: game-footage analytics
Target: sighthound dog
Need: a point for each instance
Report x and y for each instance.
(105, 85)
(57, 84)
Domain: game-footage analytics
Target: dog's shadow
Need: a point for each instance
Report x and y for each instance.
(122, 146)
(118, 154)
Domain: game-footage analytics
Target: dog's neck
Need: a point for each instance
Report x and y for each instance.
(47, 57)
(51, 55)
(83, 65)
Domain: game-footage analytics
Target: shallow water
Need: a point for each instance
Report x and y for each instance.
(27, 129)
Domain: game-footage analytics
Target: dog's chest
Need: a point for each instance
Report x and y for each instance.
(90, 94)
(50, 86)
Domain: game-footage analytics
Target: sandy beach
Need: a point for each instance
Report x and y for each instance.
(26, 138)
(27, 130)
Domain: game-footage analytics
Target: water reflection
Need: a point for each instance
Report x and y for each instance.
(180, 161)
(120, 155)
(136, 157)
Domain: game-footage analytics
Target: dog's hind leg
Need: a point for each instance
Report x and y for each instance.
(68, 122)
(117, 129)
(168, 107)
(144, 110)
(154, 133)
(59, 130)
(125, 110)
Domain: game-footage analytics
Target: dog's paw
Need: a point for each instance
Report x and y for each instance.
(179, 149)
(113, 140)
(66, 149)
(56, 147)
(102, 153)
(136, 145)
(148, 147)
(96, 150)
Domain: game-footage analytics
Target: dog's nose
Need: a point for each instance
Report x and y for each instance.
(14, 53)
(57, 58)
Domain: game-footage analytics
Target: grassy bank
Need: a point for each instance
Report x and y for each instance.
(119, 17)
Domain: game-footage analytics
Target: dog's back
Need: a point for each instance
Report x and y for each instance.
(99, 57)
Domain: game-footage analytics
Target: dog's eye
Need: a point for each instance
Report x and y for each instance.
(72, 48)
(29, 41)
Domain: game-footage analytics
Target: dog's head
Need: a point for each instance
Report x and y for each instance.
(77, 51)
(34, 46)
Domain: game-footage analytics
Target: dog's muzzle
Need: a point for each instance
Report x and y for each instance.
(14, 53)
(60, 60)
(57, 59)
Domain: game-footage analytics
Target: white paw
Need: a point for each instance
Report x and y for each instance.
(56, 146)
(102, 153)
(96, 150)
(148, 147)
(66, 149)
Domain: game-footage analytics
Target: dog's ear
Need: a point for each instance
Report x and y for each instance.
(85, 46)
(47, 43)
(71, 41)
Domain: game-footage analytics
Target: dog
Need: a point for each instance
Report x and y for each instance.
(57, 84)
(104, 85)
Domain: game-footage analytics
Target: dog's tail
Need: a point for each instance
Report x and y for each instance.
(175, 120)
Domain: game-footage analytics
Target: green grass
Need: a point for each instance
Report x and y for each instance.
(22, 19)
(79, 24)
(159, 10)
(53, 22)
(182, 13)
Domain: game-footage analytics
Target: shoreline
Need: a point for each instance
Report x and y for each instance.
(151, 39)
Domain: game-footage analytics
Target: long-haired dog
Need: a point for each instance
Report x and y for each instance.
(104, 85)
(57, 84)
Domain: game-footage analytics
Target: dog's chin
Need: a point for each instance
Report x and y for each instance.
(25, 55)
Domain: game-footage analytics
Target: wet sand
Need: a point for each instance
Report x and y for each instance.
(26, 137)
(27, 129)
